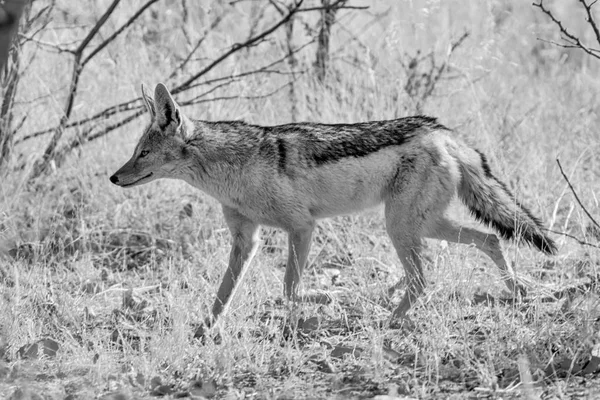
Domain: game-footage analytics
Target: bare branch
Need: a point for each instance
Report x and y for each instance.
(442, 69)
(78, 65)
(338, 5)
(590, 18)
(187, 59)
(581, 242)
(280, 9)
(571, 39)
(237, 47)
(52, 46)
(575, 194)
(118, 31)
(130, 104)
(41, 164)
(232, 97)
(326, 22)
(563, 45)
(112, 110)
(58, 154)
(88, 136)
(97, 27)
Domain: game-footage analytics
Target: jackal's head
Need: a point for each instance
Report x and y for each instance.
(159, 153)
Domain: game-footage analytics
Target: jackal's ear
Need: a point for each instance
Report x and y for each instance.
(167, 111)
(149, 102)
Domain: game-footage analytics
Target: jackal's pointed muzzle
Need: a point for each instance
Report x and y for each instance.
(127, 180)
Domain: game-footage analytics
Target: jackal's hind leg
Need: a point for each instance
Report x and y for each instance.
(299, 242)
(403, 227)
(245, 243)
(488, 243)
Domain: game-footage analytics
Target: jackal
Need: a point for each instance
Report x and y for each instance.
(289, 176)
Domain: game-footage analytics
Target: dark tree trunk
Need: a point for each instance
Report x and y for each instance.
(327, 21)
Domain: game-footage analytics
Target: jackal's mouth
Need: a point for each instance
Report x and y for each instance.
(138, 181)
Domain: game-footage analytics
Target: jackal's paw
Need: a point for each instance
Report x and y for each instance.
(202, 330)
(316, 298)
(403, 323)
(398, 285)
(521, 291)
(310, 297)
(518, 293)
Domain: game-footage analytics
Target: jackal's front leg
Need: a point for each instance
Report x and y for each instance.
(298, 248)
(245, 242)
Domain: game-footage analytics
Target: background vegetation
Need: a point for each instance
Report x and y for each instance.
(101, 287)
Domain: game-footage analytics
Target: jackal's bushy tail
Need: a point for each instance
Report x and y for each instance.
(490, 201)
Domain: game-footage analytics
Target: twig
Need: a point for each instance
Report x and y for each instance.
(263, 69)
(565, 46)
(461, 39)
(88, 38)
(575, 194)
(338, 5)
(187, 59)
(571, 39)
(116, 125)
(236, 48)
(444, 65)
(581, 242)
(112, 110)
(118, 31)
(58, 48)
(590, 18)
(88, 137)
(237, 96)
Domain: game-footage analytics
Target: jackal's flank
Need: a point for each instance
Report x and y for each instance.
(289, 176)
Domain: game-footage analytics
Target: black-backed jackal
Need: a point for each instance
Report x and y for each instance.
(289, 176)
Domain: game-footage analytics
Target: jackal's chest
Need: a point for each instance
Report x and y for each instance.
(259, 203)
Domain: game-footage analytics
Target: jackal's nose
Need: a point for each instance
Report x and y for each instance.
(114, 179)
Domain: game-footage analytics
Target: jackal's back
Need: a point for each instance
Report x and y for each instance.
(329, 143)
(316, 144)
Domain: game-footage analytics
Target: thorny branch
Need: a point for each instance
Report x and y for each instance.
(571, 40)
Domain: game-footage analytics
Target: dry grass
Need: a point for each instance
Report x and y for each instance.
(118, 278)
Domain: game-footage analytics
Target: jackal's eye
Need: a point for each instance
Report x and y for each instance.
(144, 153)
